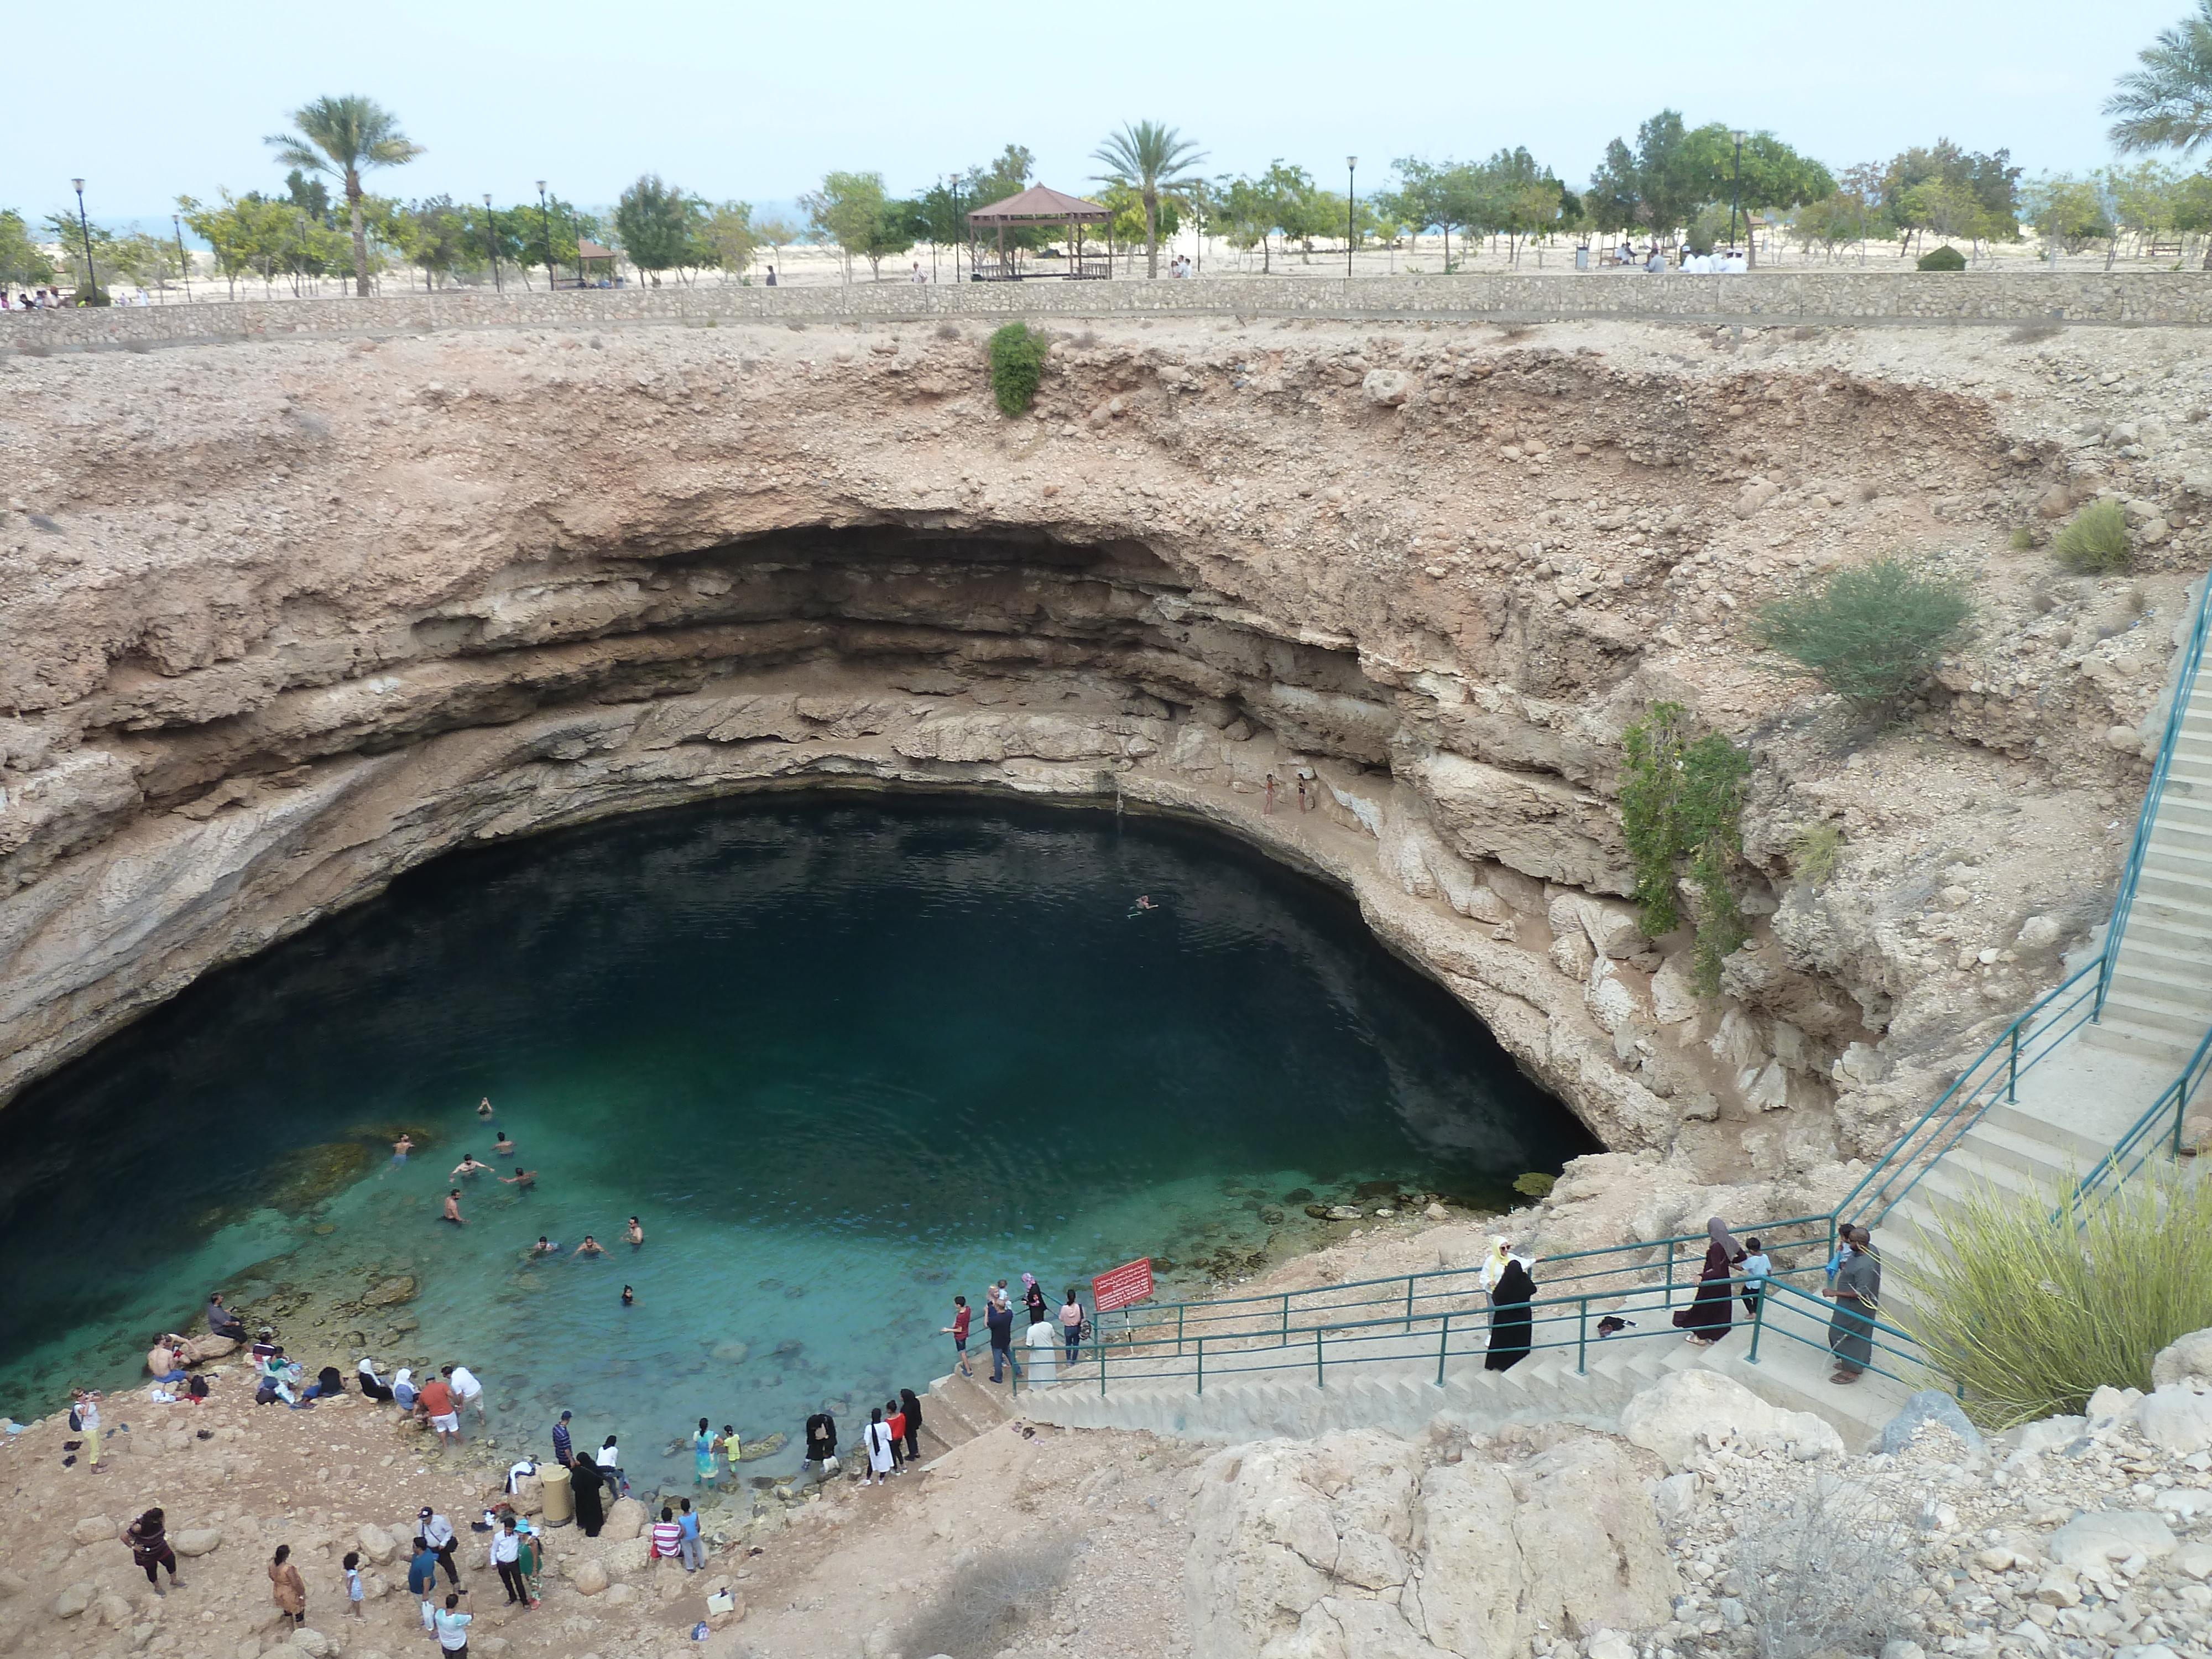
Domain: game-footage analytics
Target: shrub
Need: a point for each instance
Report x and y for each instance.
(2021, 539)
(2031, 1305)
(1872, 634)
(2096, 540)
(1831, 1572)
(1017, 367)
(1945, 257)
(990, 1600)
(1682, 800)
(1535, 1184)
(1813, 851)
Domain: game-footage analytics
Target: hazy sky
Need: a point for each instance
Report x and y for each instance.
(758, 101)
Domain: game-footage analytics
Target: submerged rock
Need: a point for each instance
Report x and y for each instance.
(390, 1292)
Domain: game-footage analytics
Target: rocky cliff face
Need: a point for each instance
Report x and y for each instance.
(279, 620)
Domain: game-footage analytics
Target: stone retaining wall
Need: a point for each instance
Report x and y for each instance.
(1764, 298)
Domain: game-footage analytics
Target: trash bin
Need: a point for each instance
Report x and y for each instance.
(559, 1498)
(1582, 257)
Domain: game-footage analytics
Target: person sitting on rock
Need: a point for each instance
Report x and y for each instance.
(222, 1321)
(164, 1360)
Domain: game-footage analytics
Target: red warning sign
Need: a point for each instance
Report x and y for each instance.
(1119, 1287)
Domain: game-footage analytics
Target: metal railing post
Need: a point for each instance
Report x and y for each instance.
(1320, 1381)
(1201, 1364)
(1581, 1340)
(1409, 1305)
(1443, 1346)
(1758, 1323)
(1102, 1370)
(2012, 1069)
(1179, 1308)
(1670, 1273)
(1283, 1341)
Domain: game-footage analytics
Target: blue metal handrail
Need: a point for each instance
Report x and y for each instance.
(2133, 1149)
(1997, 1070)
(2192, 656)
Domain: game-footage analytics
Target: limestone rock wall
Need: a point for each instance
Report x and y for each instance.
(279, 620)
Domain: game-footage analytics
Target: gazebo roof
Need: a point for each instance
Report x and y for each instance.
(1038, 204)
(588, 249)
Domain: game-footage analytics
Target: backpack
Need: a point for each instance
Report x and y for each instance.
(76, 1423)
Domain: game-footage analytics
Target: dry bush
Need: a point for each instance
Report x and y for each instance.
(2029, 333)
(990, 1600)
(1831, 1571)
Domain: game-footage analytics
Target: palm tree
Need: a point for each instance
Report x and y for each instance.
(2167, 103)
(1155, 157)
(340, 136)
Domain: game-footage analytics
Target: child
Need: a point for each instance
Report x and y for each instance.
(1756, 1268)
(355, 1595)
(895, 1420)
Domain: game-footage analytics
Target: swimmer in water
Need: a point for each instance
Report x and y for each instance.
(502, 1147)
(401, 1147)
(522, 1178)
(469, 1166)
(629, 1296)
(590, 1247)
(453, 1209)
(636, 1233)
(1144, 903)
(483, 1107)
(544, 1246)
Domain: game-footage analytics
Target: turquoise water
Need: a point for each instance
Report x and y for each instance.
(843, 1057)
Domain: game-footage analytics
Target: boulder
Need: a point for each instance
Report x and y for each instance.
(198, 1350)
(312, 1642)
(1388, 387)
(114, 1612)
(626, 1519)
(1677, 1412)
(1753, 496)
(2178, 1418)
(2090, 1540)
(94, 1529)
(1929, 1406)
(2185, 1357)
(377, 1545)
(589, 1578)
(390, 1292)
(197, 1540)
(12, 1584)
(620, 1595)
(1673, 993)
(75, 1599)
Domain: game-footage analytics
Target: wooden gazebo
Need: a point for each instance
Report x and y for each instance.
(1037, 205)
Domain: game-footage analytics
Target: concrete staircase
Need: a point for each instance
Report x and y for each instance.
(2159, 1003)
(1390, 1383)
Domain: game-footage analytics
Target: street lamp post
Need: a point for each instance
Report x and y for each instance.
(952, 183)
(1735, 190)
(183, 259)
(1350, 208)
(492, 241)
(84, 227)
(545, 220)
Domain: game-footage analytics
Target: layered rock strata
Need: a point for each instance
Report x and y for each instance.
(278, 621)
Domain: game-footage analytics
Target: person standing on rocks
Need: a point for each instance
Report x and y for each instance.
(1033, 1300)
(1858, 1299)
(878, 1437)
(286, 1587)
(422, 1579)
(437, 1399)
(88, 1424)
(355, 1593)
(688, 1549)
(958, 1330)
(587, 1484)
(702, 1456)
(467, 1391)
(506, 1559)
(821, 1442)
(147, 1537)
(438, 1532)
(1070, 1325)
(452, 1626)
(910, 1408)
(564, 1445)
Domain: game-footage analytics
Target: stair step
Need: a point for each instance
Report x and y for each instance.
(2117, 1036)
(2064, 1143)
(2029, 1153)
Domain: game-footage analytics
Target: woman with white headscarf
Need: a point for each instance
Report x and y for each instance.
(372, 1386)
(1712, 1312)
(403, 1389)
(1493, 1265)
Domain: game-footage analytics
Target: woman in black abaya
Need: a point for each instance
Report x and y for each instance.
(591, 1511)
(1708, 1317)
(1510, 1323)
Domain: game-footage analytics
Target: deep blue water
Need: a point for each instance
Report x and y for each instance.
(844, 1056)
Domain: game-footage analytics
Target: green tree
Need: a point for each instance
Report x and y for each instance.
(1840, 216)
(775, 234)
(2067, 210)
(1681, 800)
(1990, 181)
(654, 222)
(2167, 103)
(849, 211)
(68, 233)
(1516, 197)
(1443, 196)
(1155, 160)
(341, 136)
(725, 238)
(1674, 170)
(433, 236)
(1872, 634)
(21, 259)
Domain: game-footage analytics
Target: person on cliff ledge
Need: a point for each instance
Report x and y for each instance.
(222, 1321)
